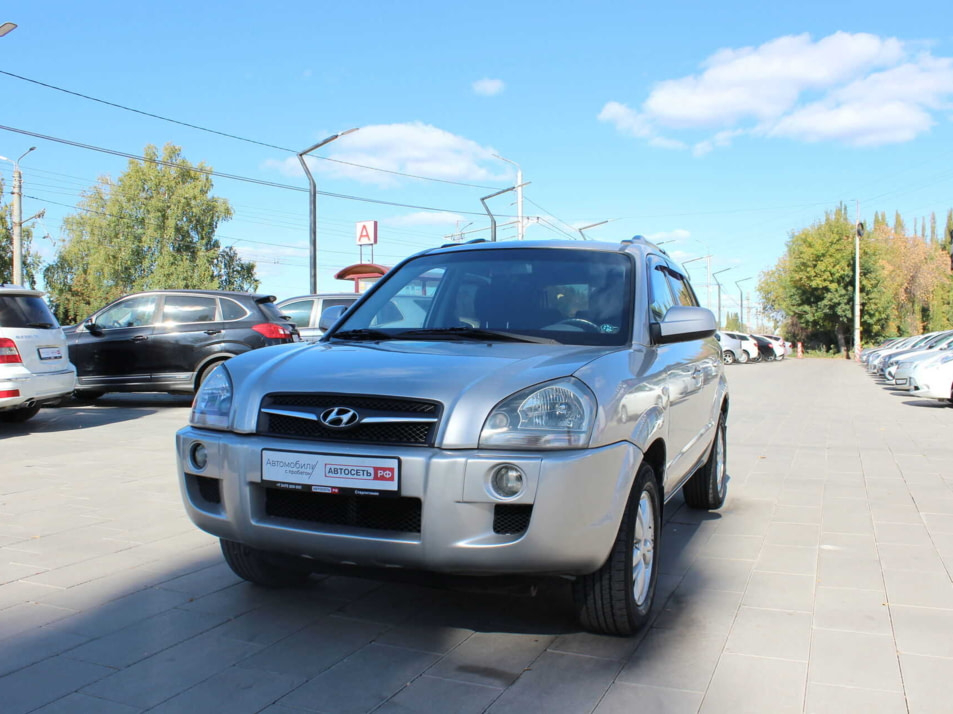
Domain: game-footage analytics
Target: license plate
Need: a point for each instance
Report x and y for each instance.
(50, 353)
(330, 473)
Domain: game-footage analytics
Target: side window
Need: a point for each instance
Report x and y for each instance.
(179, 309)
(134, 312)
(684, 294)
(299, 312)
(336, 302)
(231, 310)
(661, 298)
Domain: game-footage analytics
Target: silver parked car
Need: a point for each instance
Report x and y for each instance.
(529, 412)
(305, 311)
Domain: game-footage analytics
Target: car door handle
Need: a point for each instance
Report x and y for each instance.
(139, 338)
(212, 332)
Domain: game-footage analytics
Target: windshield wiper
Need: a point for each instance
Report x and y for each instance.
(364, 334)
(471, 333)
(44, 325)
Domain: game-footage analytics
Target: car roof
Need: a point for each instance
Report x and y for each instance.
(11, 289)
(321, 295)
(635, 244)
(191, 291)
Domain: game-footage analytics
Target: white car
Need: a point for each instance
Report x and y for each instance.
(933, 379)
(34, 362)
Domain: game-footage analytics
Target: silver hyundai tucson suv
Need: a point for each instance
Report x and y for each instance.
(521, 408)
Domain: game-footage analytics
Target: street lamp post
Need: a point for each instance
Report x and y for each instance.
(715, 276)
(519, 196)
(741, 300)
(17, 217)
(591, 225)
(313, 225)
(490, 213)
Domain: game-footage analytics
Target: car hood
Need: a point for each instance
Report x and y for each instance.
(468, 378)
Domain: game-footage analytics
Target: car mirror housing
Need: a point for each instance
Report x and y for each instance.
(330, 316)
(683, 323)
(91, 326)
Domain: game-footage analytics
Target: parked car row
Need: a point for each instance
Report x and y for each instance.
(742, 348)
(919, 364)
(157, 341)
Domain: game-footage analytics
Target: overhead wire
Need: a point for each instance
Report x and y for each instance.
(237, 137)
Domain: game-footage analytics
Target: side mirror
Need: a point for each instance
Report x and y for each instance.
(92, 326)
(330, 316)
(682, 324)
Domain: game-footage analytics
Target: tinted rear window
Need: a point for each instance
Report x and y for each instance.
(25, 311)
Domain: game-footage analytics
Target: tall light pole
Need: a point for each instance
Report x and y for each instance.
(490, 213)
(519, 195)
(708, 258)
(858, 232)
(313, 225)
(715, 276)
(17, 217)
(741, 300)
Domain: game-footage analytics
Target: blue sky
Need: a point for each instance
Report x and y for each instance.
(717, 127)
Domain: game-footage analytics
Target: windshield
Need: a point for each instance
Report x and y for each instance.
(580, 297)
(25, 311)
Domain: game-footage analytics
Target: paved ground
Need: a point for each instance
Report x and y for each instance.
(823, 585)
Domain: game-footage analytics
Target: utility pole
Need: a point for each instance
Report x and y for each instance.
(519, 196)
(313, 223)
(741, 300)
(858, 232)
(18, 221)
(715, 276)
(490, 214)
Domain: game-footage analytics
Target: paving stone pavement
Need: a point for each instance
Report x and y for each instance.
(823, 585)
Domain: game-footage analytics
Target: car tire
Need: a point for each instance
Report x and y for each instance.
(617, 598)
(707, 488)
(20, 414)
(262, 568)
(728, 357)
(87, 395)
(743, 357)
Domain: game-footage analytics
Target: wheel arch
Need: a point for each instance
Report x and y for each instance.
(207, 363)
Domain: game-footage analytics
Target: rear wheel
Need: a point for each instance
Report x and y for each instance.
(742, 357)
(205, 372)
(20, 414)
(617, 598)
(728, 356)
(709, 486)
(266, 569)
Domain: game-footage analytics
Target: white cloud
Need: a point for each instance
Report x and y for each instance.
(425, 218)
(413, 148)
(488, 87)
(858, 89)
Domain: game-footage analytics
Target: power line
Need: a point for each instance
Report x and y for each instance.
(235, 136)
(235, 177)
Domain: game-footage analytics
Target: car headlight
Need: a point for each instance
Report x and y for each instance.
(213, 401)
(554, 415)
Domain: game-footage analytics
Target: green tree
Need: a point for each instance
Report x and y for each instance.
(31, 259)
(153, 228)
(733, 322)
(898, 227)
(812, 286)
(933, 235)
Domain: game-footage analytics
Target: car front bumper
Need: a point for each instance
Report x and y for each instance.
(572, 504)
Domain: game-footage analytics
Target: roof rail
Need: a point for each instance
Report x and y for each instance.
(474, 240)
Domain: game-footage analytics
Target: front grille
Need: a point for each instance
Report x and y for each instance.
(510, 519)
(372, 512)
(398, 431)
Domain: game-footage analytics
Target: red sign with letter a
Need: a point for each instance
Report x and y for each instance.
(367, 233)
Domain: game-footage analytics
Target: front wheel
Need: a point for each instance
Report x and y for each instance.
(708, 487)
(728, 356)
(265, 569)
(617, 598)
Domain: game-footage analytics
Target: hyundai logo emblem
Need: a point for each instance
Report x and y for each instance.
(339, 418)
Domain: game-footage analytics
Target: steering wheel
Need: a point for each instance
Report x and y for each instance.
(116, 323)
(586, 325)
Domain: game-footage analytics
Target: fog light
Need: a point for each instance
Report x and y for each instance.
(199, 456)
(506, 481)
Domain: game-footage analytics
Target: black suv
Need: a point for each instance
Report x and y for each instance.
(169, 340)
